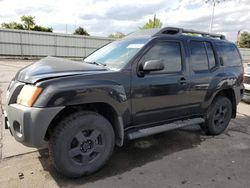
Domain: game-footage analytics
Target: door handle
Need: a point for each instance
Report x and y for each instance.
(183, 81)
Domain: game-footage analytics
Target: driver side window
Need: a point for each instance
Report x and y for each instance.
(167, 51)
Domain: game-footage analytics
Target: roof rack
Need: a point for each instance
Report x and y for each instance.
(179, 31)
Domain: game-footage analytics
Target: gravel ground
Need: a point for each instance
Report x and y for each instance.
(180, 158)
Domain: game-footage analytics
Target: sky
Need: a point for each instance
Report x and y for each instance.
(103, 17)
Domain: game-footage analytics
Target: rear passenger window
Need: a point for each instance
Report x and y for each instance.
(229, 53)
(169, 52)
(198, 56)
(210, 55)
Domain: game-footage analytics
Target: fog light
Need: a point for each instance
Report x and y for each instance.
(18, 129)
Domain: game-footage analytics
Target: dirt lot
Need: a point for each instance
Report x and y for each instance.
(180, 158)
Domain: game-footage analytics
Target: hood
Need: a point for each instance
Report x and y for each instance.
(51, 67)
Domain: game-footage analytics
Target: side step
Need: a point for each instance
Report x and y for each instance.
(162, 128)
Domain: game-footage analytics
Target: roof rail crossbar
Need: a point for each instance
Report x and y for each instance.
(204, 34)
(179, 31)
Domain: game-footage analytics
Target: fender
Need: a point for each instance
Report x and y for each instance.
(221, 82)
(70, 91)
(82, 89)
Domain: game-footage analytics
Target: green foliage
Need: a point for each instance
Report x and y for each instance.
(28, 23)
(41, 28)
(244, 41)
(152, 23)
(192, 34)
(117, 35)
(12, 25)
(81, 31)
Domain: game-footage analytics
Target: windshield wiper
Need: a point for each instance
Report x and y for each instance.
(96, 63)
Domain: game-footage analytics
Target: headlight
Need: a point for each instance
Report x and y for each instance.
(28, 95)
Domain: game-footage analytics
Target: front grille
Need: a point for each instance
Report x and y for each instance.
(247, 80)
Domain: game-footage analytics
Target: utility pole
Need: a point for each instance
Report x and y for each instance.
(214, 2)
(154, 20)
(212, 18)
(238, 37)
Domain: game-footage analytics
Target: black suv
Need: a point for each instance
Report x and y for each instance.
(149, 82)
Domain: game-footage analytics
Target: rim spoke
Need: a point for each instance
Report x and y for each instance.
(88, 147)
(224, 111)
(222, 121)
(216, 122)
(74, 152)
(95, 133)
(217, 117)
(85, 159)
(80, 137)
(98, 148)
(221, 109)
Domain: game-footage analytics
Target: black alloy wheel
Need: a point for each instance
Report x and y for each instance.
(218, 116)
(81, 144)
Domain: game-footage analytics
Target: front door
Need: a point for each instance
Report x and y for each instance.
(161, 95)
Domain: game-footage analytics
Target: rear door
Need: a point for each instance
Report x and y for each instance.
(203, 68)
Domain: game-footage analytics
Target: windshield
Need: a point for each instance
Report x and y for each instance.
(116, 54)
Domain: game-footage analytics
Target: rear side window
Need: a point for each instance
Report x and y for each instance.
(198, 56)
(229, 54)
(210, 55)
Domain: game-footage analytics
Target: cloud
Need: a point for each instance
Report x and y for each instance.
(33, 9)
(229, 22)
(101, 17)
(90, 17)
(133, 11)
(192, 6)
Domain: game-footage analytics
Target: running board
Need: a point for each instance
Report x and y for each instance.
(162, 128)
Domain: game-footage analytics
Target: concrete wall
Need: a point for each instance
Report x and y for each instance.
(245, 52)
(31, 43)
(38, 44)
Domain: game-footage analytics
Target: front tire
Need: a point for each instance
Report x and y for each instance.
(218, 116)
(81, 144)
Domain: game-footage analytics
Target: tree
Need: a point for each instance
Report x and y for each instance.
(155, 23)
(117, 35)
(12, 25)
(80, 31)
(41, 28)
(193, 34)
(28, 22)
(244, 41)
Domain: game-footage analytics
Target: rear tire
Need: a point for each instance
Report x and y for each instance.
(81, 144)
(218, 116)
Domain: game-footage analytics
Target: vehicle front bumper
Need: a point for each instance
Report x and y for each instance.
(29, 124)
(246, 95)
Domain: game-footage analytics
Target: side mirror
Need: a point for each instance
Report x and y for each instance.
(153, 65)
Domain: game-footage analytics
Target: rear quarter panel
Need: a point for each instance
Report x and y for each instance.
(230, 77)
